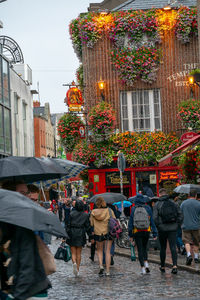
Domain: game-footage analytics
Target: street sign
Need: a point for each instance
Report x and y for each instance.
(74, 99)
(121, 162)
(187, 136)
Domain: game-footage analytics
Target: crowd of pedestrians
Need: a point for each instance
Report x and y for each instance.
(167, 220)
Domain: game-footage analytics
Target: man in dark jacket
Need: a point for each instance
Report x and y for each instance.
(168, 217)
(26, 275)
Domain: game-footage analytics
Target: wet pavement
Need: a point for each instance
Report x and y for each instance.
(125, 281)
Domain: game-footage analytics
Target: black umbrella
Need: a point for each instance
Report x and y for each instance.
(186, 188)
(19, 210)
(109, 198)
(29, 169)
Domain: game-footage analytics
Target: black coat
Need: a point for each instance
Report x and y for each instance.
(26, 265)
(158, 220)
(77, 225)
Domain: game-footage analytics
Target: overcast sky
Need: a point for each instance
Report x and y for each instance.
(41, 28)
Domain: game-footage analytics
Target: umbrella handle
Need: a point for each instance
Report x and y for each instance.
(43, 193)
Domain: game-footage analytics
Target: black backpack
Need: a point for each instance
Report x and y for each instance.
(168, 212)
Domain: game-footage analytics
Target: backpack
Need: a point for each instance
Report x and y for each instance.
(168, 212)
(114, 227)
(141, 219)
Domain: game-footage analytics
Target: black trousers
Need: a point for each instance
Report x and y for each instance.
(141, 240)
(169, 236)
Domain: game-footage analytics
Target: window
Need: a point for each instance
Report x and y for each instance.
(24, 126)
(7, 131)
(6, 99)
(1, 130)
(16, 120)
(140, 110)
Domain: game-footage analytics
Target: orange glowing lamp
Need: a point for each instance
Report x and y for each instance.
(191, 79)
(101, 85)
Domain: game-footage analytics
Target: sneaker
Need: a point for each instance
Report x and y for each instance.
(75, 269)
(147, 270)
(143, 271)
(112, 261)
(101, 270)
(107, 274)
(196, 260)
(162, 269)
(174, 271)
(188, 260)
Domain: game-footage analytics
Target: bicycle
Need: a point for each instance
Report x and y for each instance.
(123, 240)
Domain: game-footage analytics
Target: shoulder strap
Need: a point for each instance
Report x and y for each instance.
(110, 213)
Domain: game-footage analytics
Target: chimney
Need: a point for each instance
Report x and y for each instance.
(36, 103)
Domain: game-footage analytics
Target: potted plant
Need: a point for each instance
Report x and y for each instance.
(196, 74)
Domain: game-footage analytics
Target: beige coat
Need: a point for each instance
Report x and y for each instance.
(99, 220)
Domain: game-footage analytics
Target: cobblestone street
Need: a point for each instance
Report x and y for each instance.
(125, 281)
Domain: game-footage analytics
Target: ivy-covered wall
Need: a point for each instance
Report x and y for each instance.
(138, 50)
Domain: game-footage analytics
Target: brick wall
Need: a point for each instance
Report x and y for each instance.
(171, 81)
(40, 138)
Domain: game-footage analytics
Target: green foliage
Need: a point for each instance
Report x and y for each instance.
(189, 113)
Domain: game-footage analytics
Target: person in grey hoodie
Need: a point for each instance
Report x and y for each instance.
(191, 226)
(167, 229)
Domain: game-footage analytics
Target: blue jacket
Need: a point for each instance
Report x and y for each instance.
(140, 202)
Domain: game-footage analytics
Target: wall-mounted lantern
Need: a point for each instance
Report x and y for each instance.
(101, 85)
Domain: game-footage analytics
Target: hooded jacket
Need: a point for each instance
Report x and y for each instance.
(158, 220)
(141, 201)
(77, 225)
(99, 220)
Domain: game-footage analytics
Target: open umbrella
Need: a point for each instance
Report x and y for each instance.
(71, 168)
(19, 210)
(126, 204)
(29, 169)
(109, 198)
(186, 188)
(144, 197)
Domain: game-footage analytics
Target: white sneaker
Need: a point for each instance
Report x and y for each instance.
(75, 269)
(143, 271)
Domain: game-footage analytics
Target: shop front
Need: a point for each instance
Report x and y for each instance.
(146, 179)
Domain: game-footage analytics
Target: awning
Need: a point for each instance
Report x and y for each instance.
(166, 160)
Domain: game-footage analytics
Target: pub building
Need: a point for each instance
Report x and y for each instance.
(141, 105)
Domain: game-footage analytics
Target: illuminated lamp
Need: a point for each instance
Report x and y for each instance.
(191, 80)
(101, 85)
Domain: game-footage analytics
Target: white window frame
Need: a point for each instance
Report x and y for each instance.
(151, 111)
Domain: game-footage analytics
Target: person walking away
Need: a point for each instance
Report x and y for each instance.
(77, 226)
(139, 227)
(167, 217)
(25, 270)
(99, 219)
(191, 226)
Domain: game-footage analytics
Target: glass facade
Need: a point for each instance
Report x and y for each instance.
(5, 109)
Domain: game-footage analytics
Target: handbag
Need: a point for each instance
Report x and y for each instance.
(46, 256)
(63, 252)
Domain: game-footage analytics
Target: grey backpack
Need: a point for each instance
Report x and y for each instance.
(141, 218)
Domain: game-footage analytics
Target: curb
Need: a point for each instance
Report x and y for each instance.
(157, 261)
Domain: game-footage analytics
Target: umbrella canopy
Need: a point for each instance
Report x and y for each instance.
(126, 204)
(19, 210)
(143, 197)
(109, 198)
(29, 169)
(186, 188)
(72, 169)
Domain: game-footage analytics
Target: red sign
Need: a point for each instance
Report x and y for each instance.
(82, 132)
(187, 136)
(74, 99)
